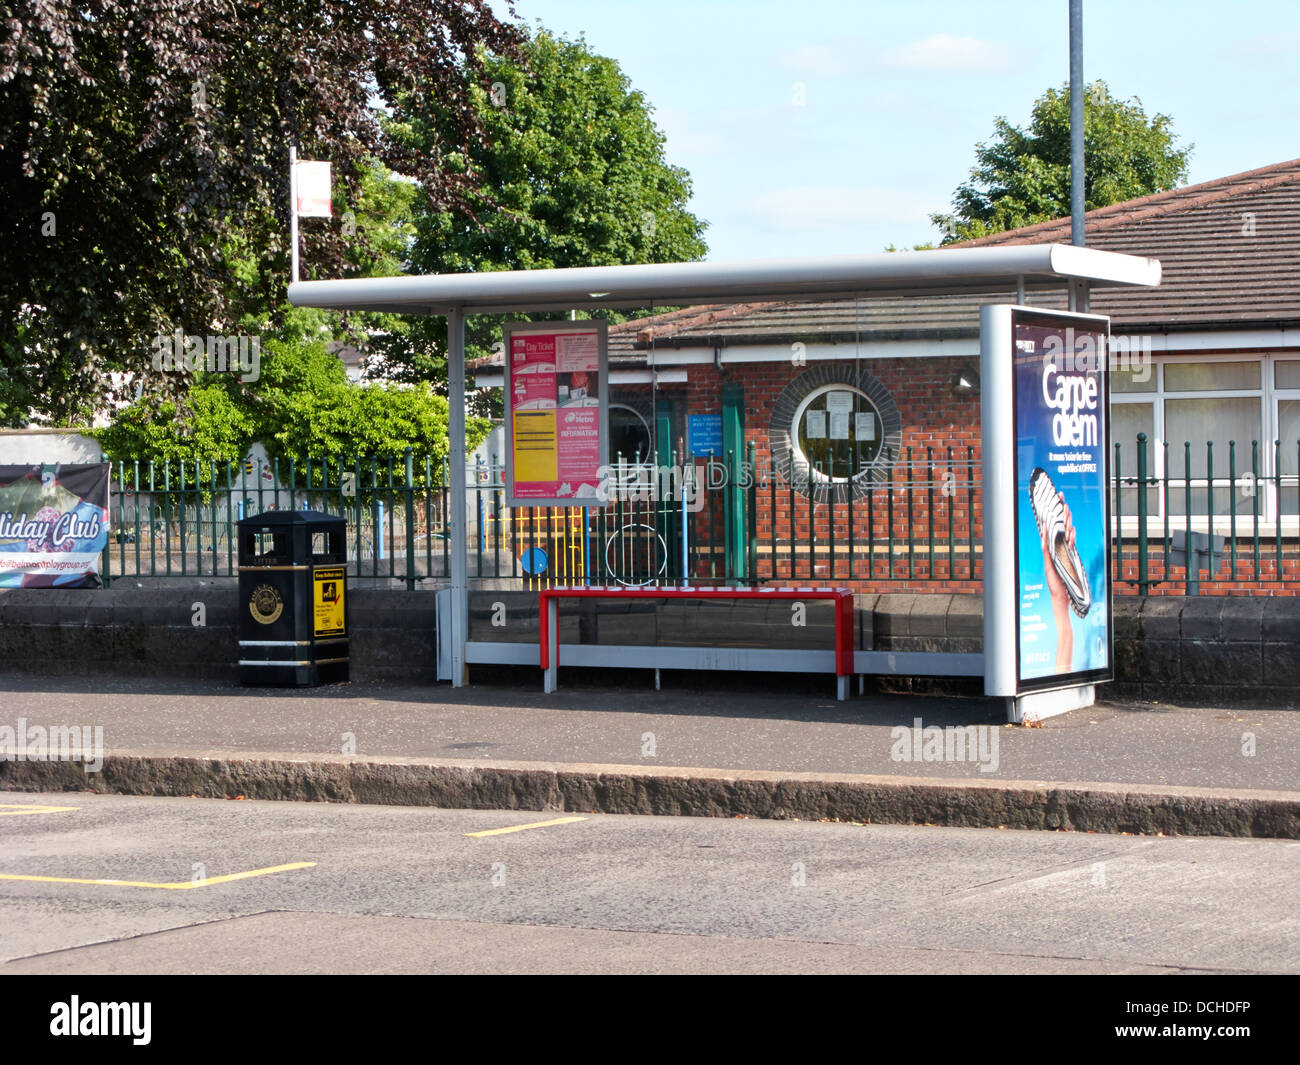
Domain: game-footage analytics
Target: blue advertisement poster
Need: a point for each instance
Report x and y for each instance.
(1063, 559)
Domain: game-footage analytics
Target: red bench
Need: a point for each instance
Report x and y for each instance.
(666, 658)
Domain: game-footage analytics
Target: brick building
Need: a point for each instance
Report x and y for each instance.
(845, 435)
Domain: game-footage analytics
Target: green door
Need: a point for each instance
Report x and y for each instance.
(735, 525)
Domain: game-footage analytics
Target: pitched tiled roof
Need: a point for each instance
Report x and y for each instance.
(1230, 250)
(1145, 207)
(640, 332)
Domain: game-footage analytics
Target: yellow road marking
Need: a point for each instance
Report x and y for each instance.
(522, 828)
(180, 885)
(13, 809)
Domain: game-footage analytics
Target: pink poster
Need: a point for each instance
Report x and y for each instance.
(533, 391)
(533, 353)
(554, 410)
(579, 444)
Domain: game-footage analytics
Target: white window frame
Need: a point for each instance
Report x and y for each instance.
(1268, 397)
(1289, 482)
(796, 426)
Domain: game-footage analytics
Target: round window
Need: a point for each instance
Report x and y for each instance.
(837, 433)
(834, 432)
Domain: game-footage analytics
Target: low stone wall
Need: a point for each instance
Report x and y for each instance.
(1192, 651)
(148, 628)
(1208, 650)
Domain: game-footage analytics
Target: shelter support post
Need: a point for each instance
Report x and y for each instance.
(551, 645)
(1080, 296)
(457, 532)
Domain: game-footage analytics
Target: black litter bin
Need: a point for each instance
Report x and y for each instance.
(293, 614)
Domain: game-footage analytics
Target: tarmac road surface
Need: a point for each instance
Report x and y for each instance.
(409, 890)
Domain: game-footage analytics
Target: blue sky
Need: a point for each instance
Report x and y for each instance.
(896, 94)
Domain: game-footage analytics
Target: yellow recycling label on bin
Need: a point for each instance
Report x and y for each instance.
(327, 600)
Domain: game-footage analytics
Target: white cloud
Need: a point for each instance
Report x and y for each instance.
(827, 208)
(945, 52)
(814, 61)
(1276, 49)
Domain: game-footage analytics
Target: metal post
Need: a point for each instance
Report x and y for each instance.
(686, 534)
(293, 213)
(410, 518)
(1143, 575)
(455, 514)
(586, 546)
(1001, 611)
(1076, 124)
(551, 674)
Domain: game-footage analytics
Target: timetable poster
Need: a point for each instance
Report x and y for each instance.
(557, 413)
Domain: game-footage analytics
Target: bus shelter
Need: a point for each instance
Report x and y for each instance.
(1045, 386)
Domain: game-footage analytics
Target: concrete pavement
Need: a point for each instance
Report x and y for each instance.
(705, 744)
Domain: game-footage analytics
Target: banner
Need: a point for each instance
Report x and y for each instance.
(53, 525)
(557, 413)
(1062, 505)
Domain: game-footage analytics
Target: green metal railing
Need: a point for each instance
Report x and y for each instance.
(178, 519)
(1183, 523)
(913, 519)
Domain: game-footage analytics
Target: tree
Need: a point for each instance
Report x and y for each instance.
(211, 426)
(1022, 176)
(572, 173)
(141, 145)
(302, 406)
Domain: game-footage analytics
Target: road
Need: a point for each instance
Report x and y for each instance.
(410, 890)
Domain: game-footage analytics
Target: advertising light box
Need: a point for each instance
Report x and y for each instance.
(1045, 427)
(1062, 503)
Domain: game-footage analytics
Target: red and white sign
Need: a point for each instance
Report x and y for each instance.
(312, 189)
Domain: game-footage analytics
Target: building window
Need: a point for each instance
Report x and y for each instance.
(1286, 396)
(835, 431)
(1229, 402)
(630, 440)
